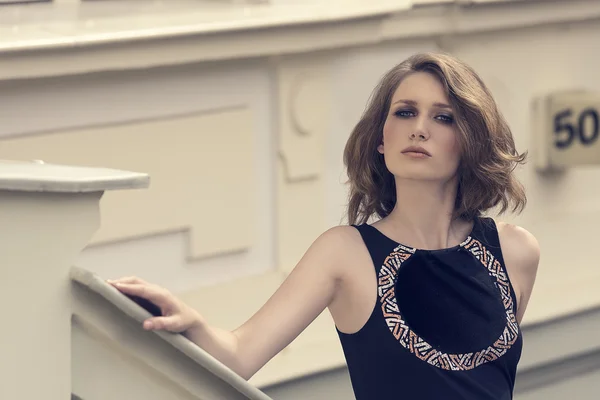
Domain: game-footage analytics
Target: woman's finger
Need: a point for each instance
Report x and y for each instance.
(169, 323)
(128, 279)
(155, 294)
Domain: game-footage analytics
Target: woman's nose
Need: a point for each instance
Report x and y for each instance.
(420, 130)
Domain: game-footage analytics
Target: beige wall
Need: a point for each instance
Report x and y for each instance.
(245, 161)
(564, 208)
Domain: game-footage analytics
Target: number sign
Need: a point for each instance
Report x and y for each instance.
(567, 129)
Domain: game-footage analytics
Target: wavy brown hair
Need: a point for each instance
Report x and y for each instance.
(488, 154)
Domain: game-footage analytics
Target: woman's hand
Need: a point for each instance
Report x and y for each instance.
(176, 315)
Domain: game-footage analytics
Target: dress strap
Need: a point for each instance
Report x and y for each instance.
(486, 232)
(378, 245)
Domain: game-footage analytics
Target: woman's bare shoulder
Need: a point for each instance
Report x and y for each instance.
(341, 237)
(343, 244)
(342, 232)
(519, 244)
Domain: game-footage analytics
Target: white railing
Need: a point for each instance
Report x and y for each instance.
(48, 214)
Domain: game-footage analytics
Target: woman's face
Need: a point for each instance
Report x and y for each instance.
(419, 134)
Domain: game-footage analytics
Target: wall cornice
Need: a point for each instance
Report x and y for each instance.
(32, 46)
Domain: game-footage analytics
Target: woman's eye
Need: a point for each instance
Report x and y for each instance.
(404, 113)
(446, 118)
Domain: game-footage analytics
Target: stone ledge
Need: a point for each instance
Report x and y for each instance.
(82, 45)
(40, 177)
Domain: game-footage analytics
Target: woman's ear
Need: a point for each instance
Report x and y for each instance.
(380, 148)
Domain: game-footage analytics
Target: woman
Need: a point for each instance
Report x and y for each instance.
(427, 300)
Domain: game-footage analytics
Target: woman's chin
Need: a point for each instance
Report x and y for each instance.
(424, 176)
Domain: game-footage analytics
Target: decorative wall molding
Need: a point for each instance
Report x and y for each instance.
(132, 118)
(86, 45)
(304, 100)
(188, 159)
(303, 122)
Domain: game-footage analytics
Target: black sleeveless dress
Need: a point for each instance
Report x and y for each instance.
(444, 324)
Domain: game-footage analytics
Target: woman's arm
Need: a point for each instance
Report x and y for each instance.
(521, 253)
(305, 293)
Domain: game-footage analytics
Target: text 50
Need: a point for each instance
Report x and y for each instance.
(583, 127)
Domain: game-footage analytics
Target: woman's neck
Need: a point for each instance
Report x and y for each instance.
(423, 215)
